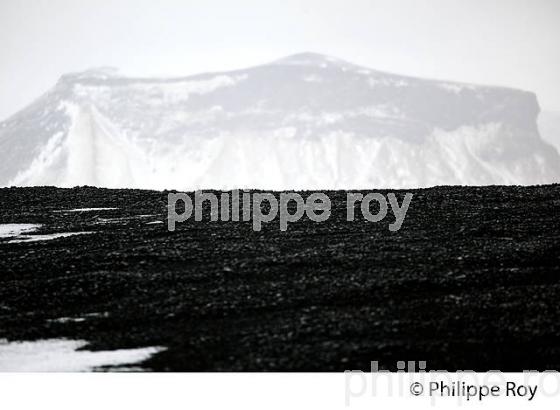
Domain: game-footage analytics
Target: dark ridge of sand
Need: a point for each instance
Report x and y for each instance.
(470, 282)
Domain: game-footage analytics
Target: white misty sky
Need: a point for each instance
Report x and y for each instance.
(504, 42)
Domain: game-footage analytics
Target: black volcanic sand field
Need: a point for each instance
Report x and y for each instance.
(471, 281)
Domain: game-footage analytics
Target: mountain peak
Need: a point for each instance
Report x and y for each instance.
(95, 73)
(310, 59)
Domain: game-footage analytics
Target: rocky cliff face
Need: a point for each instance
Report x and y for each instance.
(303, 122)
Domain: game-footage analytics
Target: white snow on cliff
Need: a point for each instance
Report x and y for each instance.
(303, 122)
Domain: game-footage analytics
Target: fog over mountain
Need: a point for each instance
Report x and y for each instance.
(549, 127)
(307, 121)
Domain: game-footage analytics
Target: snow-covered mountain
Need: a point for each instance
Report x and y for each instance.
(305, 121)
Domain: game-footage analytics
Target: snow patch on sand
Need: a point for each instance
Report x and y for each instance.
(61, 355)
(154, 223)
(13, 230)
(46, 237)
(86, 209)
(79, 319)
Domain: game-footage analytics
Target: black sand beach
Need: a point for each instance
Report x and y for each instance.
(471, 281)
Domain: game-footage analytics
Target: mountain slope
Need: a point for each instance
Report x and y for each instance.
(303, 122)
(549, 127)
